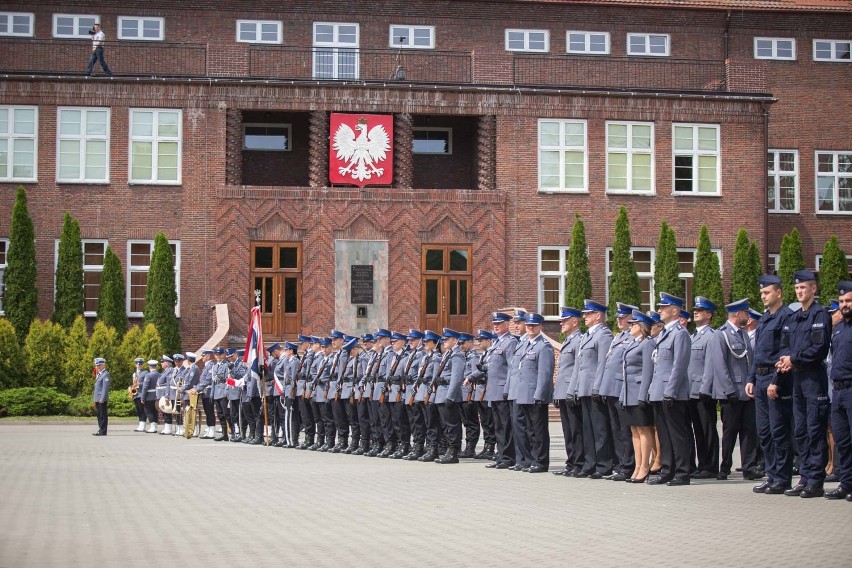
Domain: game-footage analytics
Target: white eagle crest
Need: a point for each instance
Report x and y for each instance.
(362, 153)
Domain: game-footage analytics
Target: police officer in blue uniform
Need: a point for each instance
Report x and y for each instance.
(376, 378)
(502, 351)
(702, 409)
(303, 390)
(423, 397)
(805, 342)
(349, 381)
(447, 382)
(403, 414)
(535, 392)
(339, 420)
(236, 374)
(841, 403)
(361, 397)
(219, 378)
(476, 378)
(149, 390)
(100, 395)
(397, 432)
(570, 413)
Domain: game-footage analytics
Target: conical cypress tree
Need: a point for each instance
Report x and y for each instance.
(578, 284)
(12, 371)
(832, 269)
(161, 295)
(792, 259)
(742, 276)
(20, 301)
(624, 282)
(756, 264)
(708, 276)
(111, 301)
(77, 367)
(68, 303)
(666, 268)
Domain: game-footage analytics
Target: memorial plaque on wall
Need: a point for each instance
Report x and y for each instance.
(361, 283)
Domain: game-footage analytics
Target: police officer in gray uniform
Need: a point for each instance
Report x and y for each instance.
(149, 390)
(523, 457)
(350, 378)
(320, 378)
(289, 367)
(391, 389)
(179, 376)
(413, 419)
(376, 377)
(163, 390)
(139, 397)
(362, 395)
(702, 409)
(570, 413)
(448, 381)
(274, 410)
(219, 376)
(303, 390)
(427, 413)
(729, 360)
(207, 401)
(535, 392)
(479, 380)
(502, 351)
(339, 420)
(236, 372)
(100, 395)
(467, 407)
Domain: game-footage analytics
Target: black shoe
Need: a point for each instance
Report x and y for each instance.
(501, 465)
(777, 488)
(596, 475)
(832, 478)
(256, 442)
(99, 434)
(751, 475)
(222, 437)
(338, 448)
(616, 477)
(704, 474)
(721, 476)
(582, 475)
(795, 491)
(279, 444)
(762, 487)
(637, 479)
(837, 494)
(452, 456)
(559, 472)
(849, 497)
(235, 438)
(492, 465)
(358, 451)
(536, 469)
(654, 472)
(469, 451)
(658, 480)
(678, 481)
(812, 491)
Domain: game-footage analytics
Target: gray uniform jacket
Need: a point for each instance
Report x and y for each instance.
(698, 358)
(269, 376)
(101, 390)
(370, 367)
(335, 372)
(305, 369)
(729, 359)
(149, 385)
(290, 376)
(511, 387)
(238, 371)
(140, 375)
(426, 370)
(321, 376)
(191, 378)
(396, 377)
(279, 374)
(502, 350)
(591, 358)
(410, 364)
(567, 358)
(609, 382)
(471, 374)
(637, 369)
(351, 375)
(384, 365)
(535, 378)
(205, 384)
(163, 382)
(176, 377)
(450, 380)
(671, 364)
(219, 377)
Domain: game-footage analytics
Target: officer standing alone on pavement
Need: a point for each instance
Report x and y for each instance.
(100, 396)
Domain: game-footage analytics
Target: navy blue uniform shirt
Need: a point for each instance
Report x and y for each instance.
(841, 352)
(767, 341)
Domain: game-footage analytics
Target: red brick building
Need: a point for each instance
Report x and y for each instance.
(509, 116)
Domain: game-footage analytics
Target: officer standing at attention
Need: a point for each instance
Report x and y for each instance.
(163, 390)
(219, 377)
(139, 397)
(429, 412)
(570, 414)
(519, 427)
(448, 378)
(702, 409)
(669, 393)
(841, 404)
(100, 396)
(363, 395)
(805, 342)
(498, 371)
(478, 380)
(351, 378)
(412, 419)
(302, 388)
(237, 371)
(535, 392)
(149, 395)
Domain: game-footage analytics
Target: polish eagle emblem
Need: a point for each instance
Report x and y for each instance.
(361, 155)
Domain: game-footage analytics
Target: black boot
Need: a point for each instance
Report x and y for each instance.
(430, 455)
(329, 443)
(362, 449)
(389, 450)
(402, 450)
(377, 449)
(309, 441)
(342, 444)
(452, 456)
(352, 446)
(223, 437)
(318, 444)
(469, 450)
(415, 453)
(487, 452)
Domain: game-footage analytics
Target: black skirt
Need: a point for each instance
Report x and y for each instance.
(640, 415)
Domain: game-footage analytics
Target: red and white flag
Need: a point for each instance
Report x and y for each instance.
(254, 344)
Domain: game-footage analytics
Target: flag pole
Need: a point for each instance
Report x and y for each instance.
(262, 384)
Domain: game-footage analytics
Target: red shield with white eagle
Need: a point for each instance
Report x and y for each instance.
(361, 151)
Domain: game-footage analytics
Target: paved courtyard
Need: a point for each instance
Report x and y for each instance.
(131, 499)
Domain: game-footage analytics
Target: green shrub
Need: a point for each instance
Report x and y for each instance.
(121, 367)
(111, 309)
(44, 350)
(33, 401)
(78, 369)
(11, 357)
(68, 299)
(20, 299)
(81, 406)
(161, 294)
(119, 405)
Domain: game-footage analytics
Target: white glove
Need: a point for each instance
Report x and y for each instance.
(240, 383)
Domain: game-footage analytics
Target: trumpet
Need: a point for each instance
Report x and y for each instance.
(133, 388)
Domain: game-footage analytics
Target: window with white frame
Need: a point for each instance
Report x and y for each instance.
(259, 31)
(562, 155)
(73, 25)
(412, 37)
(155, 146)
(696, 159)
(18, 24)
(848, 265)
(552, 272)
(643, 261)
(833, 50)
(834, 182)
(783, 181)
(536, 41)
(335, 51)
(4, 250)
(93, 267)
(138, 264)
(432, 140)
(630, 157)
(146, 29)
(774, 48)
(267, 137)
(18, 143)
(83, 145)
(686, 269)
(656, 45)
(589, 43)
(774, 260)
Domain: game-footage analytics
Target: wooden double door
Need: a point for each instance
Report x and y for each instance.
(276, 273)
(445, 287)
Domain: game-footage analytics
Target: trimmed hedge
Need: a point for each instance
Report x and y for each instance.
(33, 401)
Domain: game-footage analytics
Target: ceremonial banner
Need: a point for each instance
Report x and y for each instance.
(361, 151)
(254, 345)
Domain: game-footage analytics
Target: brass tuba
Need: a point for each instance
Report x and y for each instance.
(189, 417)
(133, 388)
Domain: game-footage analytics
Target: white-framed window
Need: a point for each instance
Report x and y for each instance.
(775, 48)
(155, 146)
(630, 157)
(259, 31)
(267, 137)
(412, 37)
(656, 45)
(563, 158)
(138, 264)
(82, 148)
(643, 260)
(552, 273)
(93, 267)
(18, 24)
(774, 262)
(73, 25)
(4, 250)
(834, 182)
(695, 161)
(335, 50)
(588, 43)
(138, 28)
(535, 41)
(833, 50)
(18, 143)
(818, 263)
(686, 270)
(782, 171)
(432, 140)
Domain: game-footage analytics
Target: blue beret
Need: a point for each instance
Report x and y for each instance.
(273, 347)
(100, 361)
(430, 335)
(533, 318)
(500, 317)
(415, 334)
(336, 334)
(702, 303)
(324, 341)
(368, 338)
(803, 276)
(566, 312)
(737, 306)
(396, 336)
(450, 333)
(167, 359)
(624, 309)
(593, 306)
(519, 315)
(636, 316)
(382, 333)
(304, 338)
(667, 299)
(655, 317)
(754, 314)
(844, 287)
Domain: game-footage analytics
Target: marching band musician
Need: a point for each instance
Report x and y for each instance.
(205, 387)
(139, 395)
(191, 382)
(176, 377)
(149, 395)
(163, 390)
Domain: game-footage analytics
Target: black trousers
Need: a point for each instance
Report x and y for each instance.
(417, 421)
(501, 412)
(401, 425)
(167, 418)
(151, 411)
(103, 418)
(309, 422)
(319, 409)
(248, 419)
(486, 420)
(258, 416)
(234, 411)
(470, 421)
(378, 433)
(434, 431)
(597, 443)
(739, 421)
(328, 419)
(224, 412)
(535, 417)
(364, 423)
(294, 405)
(702, 416)
(673, 429)
(621, 436)
(354, 423)
(387, 422)
(450, 416)
(276, 415)
(519, 435)
(209, 415)
(341, 419)
(139, 405)
(571, 418)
